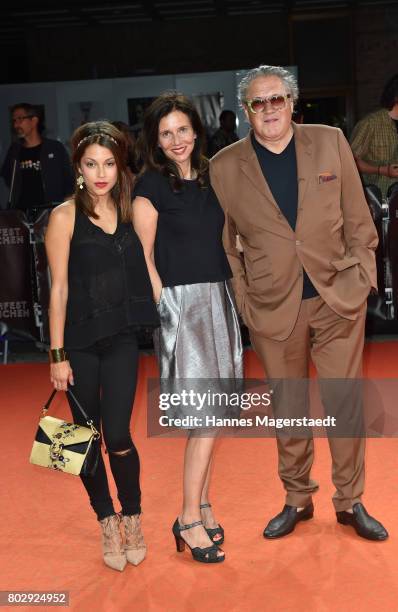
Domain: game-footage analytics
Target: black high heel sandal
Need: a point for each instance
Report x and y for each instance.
(204, 555)
(211, 532)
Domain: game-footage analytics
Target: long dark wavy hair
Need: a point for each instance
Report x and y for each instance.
(151, 156)
(107, 135)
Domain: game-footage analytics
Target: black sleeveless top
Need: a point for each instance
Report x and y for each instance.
(109, 286)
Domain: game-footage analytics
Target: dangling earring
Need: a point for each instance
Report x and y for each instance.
(80, 181)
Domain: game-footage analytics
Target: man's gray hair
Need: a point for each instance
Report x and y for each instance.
(287, 78)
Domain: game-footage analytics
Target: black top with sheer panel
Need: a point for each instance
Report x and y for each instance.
(108, 284)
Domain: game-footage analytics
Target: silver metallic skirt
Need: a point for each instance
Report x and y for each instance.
(199, 339)
(199, 334)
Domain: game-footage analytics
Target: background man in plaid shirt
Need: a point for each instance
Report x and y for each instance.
(374, 141)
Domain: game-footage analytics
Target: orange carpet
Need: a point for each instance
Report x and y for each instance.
(50, 539)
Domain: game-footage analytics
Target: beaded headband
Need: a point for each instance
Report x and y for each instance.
(97, 134)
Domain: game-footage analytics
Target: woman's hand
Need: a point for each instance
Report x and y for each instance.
(60, 375)
(157, 294)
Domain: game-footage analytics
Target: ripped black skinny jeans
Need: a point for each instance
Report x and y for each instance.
(105, 376)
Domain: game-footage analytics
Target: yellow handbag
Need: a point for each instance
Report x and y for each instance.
(66, 447)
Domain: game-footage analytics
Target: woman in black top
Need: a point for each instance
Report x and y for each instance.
(100, 295)
(179, 220)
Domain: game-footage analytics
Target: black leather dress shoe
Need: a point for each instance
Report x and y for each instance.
(285, 522)
(366, 526)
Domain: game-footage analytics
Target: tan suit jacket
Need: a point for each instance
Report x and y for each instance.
(334, 240)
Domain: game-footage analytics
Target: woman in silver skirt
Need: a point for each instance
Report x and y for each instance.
(179, 221)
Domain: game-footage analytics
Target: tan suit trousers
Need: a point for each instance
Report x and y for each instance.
(335, 346)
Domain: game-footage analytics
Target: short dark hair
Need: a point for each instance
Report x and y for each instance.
(389, 96)
(225, 114)
(32, 111)
(152, 157)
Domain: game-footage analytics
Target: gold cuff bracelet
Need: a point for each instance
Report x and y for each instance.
(57, 355)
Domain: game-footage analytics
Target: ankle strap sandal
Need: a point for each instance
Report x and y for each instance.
(209, 554)
(212, 532)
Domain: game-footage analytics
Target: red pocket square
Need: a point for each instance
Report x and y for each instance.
(325, 177)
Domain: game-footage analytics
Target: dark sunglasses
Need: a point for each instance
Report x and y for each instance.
(276, 102)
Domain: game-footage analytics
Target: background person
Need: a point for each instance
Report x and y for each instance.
(226, 133)
(100, 295)
(374, 141)
(36, 169)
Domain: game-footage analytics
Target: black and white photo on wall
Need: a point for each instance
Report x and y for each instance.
(83, 112)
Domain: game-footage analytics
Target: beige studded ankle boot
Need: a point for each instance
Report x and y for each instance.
(112, 543)
(135, 546)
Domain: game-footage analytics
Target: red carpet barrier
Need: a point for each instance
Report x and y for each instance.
(16, 296)
(25, 283)
(393, 246)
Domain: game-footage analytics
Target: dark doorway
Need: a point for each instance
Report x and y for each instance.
(329, 111)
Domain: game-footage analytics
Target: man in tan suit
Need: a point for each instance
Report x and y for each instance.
(293, 196)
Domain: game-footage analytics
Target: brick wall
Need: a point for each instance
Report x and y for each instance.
(376, 53)
(370, 45)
